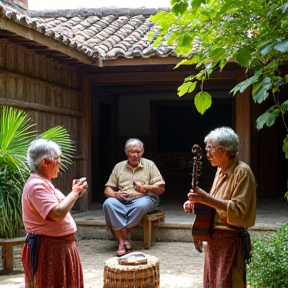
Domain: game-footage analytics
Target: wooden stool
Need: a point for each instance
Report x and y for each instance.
(132, 276)
(150, 227)
(7, 253)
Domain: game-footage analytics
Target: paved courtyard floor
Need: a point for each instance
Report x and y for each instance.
(180, 264)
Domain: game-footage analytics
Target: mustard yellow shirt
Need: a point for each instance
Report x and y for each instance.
(240, 190)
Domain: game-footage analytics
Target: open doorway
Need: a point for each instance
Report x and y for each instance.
(175, 127)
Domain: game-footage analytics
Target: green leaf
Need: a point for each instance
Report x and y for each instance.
(260, 90)
(186, 87)
(242, 86)
(187, 41)
(284, 107)
(196, 4)
(282, 46)
(268, 118)
(285, 148)
(179, 8)
(191, 61)
(243, 57)
(1, 197)
(186, 44)
(202, 101)
(266, 49)
(217, 54)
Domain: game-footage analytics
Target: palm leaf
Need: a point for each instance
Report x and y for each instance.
(16, 133)
(60, 135)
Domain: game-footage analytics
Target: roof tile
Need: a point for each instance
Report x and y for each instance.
(98, 33)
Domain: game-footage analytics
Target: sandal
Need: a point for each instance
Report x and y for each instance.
(128, 247)
(121, 250)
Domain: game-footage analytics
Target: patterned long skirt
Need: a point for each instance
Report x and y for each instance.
(56, 264)
(224, 266)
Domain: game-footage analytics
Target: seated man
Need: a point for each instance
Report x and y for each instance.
(133, 190)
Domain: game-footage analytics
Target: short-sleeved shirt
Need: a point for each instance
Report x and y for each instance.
(146, 172)
(240, 191)
(38, 199)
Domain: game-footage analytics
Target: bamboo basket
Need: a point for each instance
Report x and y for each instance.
(132, 276)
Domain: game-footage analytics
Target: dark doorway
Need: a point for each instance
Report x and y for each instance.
(176, 127)
(180, 126)
(101, 167)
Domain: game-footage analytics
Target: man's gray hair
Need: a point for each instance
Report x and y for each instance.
(133, 141)
(40, 149)
(225, 137)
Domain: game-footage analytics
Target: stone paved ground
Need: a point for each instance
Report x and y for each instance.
(180, 263)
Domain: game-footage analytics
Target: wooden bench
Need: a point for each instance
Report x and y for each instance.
(7, 253)
(150, 226)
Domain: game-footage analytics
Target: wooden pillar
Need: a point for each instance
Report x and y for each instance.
(86, 166)
(243, 124)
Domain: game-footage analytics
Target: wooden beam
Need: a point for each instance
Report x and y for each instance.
(10, 73)
(36, 36)
(39, 107)
(142, 61)
(142, 77)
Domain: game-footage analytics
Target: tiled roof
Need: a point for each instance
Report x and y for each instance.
(104, 33)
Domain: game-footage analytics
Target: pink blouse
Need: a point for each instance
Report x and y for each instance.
(38, 199)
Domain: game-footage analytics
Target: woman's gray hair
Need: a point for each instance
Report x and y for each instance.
(40, 149)
(225, 137)
(133, 141)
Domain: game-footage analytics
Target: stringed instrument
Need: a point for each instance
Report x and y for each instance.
(201, 227)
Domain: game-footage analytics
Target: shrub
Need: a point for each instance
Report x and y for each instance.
(268, 267)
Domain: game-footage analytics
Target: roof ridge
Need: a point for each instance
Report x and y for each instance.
(100, 12)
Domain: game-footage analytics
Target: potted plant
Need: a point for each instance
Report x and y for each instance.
(16, 133)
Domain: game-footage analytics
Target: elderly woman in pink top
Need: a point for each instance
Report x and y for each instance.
(50, 256)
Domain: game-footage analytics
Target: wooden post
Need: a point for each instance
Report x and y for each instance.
(86, 164)
(243, 124)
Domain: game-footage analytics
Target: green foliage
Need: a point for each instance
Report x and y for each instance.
(16, 133)
(269, 260)
(10, 202)
(211, 33)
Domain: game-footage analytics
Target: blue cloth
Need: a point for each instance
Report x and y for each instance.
(32, 241)
(121, 214)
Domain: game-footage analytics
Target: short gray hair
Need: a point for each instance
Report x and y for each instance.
(133, 141)
(40, 149)
(226, 137)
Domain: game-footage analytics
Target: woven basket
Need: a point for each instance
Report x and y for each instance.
(132, 276)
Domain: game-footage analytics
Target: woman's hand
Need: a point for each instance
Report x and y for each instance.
(80, 186)
(188, 207)
(197, 195)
